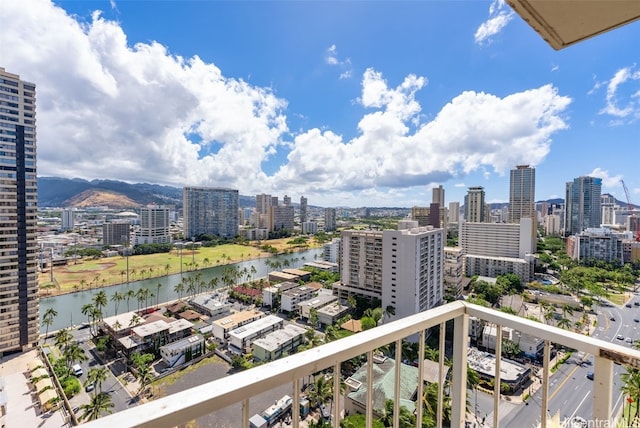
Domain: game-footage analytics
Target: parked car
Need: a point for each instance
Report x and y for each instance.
(620, 337)
(89, 387)
(77, 370)
(325, 412)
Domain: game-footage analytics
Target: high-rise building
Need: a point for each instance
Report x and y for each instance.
(210, 210)
(474, 206)
(20, 321)
(522, 199)
(438, 195)
(281, 217)
(329, 219)
(263, 204)
(303, 209)
(360, 264)
(286, 201)
(522, 193)
(154, 225)
(68, 219)
(582, 205)
(116, 233)
(412, 270)
(454, 212)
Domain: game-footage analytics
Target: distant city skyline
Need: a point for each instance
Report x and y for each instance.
(311, 98)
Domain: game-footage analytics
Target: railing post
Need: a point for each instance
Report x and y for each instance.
(245, 413)
(337, 389)
(496, 377)
(369, 411)
(398, 380)
(602, 390)
(459, 376)
(441, 379)
(544, 407)
(295, 411)
(420, 394)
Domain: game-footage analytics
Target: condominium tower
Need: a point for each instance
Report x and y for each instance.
(20, 322)
(522, 200)
(210, 210)
(522, 191)
(582, 204)
(303, 209)
(154, 225)
(474, 209)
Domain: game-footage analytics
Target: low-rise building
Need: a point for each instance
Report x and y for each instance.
(316, 302)
(270, 294)
(511, 373)
(290, 299)
(323, 265)
(356, 399)
(278, 343)
(331, 313)
(221, 327)
(240, 339)
(210, 305)
(182, 351)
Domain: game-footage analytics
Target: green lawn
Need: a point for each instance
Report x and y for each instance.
(88, 273)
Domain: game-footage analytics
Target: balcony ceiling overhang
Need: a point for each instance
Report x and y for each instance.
(562, 23)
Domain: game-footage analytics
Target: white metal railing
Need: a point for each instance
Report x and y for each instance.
(187, 405)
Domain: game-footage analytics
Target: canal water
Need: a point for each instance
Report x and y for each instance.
(69, 306)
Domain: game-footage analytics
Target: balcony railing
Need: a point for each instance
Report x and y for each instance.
(187, 405)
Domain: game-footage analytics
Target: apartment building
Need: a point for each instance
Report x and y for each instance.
(210, 210)
(361, 264)
(453, 272)
(329, 219)
(154, 226)
(412, 270)
(596, 244)
(474, 205)
(582, 204)
(116, 233)
(304, 215)
(19, 322)
(492, 249)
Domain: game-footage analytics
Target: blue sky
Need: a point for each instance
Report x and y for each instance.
(354, 103)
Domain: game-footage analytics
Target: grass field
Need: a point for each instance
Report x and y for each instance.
(92, 273)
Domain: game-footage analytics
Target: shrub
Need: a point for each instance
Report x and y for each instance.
(71, 386)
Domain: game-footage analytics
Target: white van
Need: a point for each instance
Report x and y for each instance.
(77, 370)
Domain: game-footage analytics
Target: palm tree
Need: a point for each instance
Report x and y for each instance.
(116, 298)
(320, 390)
(100, 301)
(179, 288)
(135, 320)
(98, 404)
(62, 338)
(73, 353)
(166, 269)
(130, 295)
(96, 376)
(88, 310)
(158, 294)
(631, 387)
(47, 319)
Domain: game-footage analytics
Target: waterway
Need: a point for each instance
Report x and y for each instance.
(69, 306)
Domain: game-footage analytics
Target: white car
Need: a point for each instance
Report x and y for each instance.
(620, 337)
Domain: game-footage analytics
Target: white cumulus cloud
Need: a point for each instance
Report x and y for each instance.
(623, 94)
(609, 181)
(136, 112)
(499, 16)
